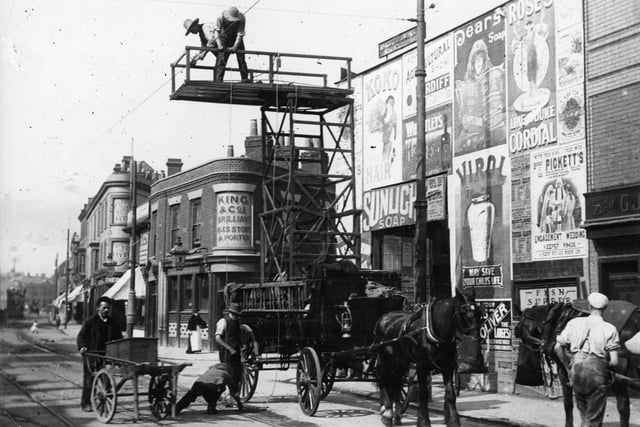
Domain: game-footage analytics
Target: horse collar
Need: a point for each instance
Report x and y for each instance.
(428, 328)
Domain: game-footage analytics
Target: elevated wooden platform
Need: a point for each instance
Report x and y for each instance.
(262, 94)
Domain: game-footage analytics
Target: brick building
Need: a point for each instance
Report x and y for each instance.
(612, 37)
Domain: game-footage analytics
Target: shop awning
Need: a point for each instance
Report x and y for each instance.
(71, 297)
(120, 290)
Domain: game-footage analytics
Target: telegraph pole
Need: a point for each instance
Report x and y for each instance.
(131, 304)
(421, 277)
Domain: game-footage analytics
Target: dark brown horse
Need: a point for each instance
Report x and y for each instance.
(443, 335)
(540, 325)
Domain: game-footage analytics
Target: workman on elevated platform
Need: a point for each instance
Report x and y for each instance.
(229, 37)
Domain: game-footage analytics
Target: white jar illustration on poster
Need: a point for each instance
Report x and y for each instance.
(480, 215)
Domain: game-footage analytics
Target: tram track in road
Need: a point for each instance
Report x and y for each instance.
(19, 420)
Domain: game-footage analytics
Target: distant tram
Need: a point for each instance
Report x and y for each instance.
(15, 303)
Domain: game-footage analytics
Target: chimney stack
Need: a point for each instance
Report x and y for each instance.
(229, 150)
(253, 142)
(174, 166)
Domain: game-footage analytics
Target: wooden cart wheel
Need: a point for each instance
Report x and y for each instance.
(161, 396)
(104, 396)
(409, 386)
(249, 357)
(328, 378)
(309, 381)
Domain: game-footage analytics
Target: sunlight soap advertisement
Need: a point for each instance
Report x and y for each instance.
(558, 178)
(382, 101)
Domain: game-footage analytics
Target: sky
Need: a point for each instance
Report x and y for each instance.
(84, 83)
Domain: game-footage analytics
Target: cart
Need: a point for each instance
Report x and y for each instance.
(322, 325)
(129, 359)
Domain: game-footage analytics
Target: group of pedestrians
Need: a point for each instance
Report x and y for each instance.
(102, 328)
(227, 36)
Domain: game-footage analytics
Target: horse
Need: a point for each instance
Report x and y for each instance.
(442, 335)
(540, 325)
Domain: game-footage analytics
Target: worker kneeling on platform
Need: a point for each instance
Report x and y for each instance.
(210, 385)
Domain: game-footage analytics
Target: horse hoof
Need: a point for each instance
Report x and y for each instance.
(386, 421)
(397, 421)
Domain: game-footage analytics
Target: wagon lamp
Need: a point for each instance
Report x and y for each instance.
(346, 322)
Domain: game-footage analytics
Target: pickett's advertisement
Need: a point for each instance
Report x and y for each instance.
(234, 219)
(557, 184)
(532, 78)
(480, 84)
(495, 331)
(388, 207)
(438, 64)
(382, 101)
(480, 195)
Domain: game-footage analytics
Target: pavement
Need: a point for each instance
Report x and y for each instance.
(509, 409)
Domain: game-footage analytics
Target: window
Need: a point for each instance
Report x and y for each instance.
(174, 215)
(202, 292)
(173, 293)
(196, 223)
(186, 293)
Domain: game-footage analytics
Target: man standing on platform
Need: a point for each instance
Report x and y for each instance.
(229, 35)
(93, 336)
(591, 346)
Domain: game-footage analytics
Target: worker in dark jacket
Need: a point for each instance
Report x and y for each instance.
(210, 385)
(93, 336)
(228, 338)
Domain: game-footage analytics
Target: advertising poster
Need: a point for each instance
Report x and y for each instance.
(495, 331)
(568, 13)
(558, 181)
(571, 125)
(234, 219)
(531, 76)
(530, 297)
(388, 207)
(382, 136)
(438, 64)
(570, 56)
(521, 208)
(437, 143)
(480, 197)
(409, 83)
(480, 84)
(436, 207)
(358, 143)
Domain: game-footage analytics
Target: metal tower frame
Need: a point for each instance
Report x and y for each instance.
(309, 199)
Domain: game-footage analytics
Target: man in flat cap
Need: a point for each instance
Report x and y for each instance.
(591, 344)
(206, 33)
(229, 342)
(229, 36)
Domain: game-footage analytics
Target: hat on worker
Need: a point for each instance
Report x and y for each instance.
(234, 308)
(190, 25)
(232, 14)
(598, 301)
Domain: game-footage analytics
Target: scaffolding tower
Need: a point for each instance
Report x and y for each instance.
(309, 211)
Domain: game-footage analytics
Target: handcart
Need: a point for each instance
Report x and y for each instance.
(129, 359)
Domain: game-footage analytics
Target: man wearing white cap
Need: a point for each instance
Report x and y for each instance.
(229, 35)
(592, 346)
